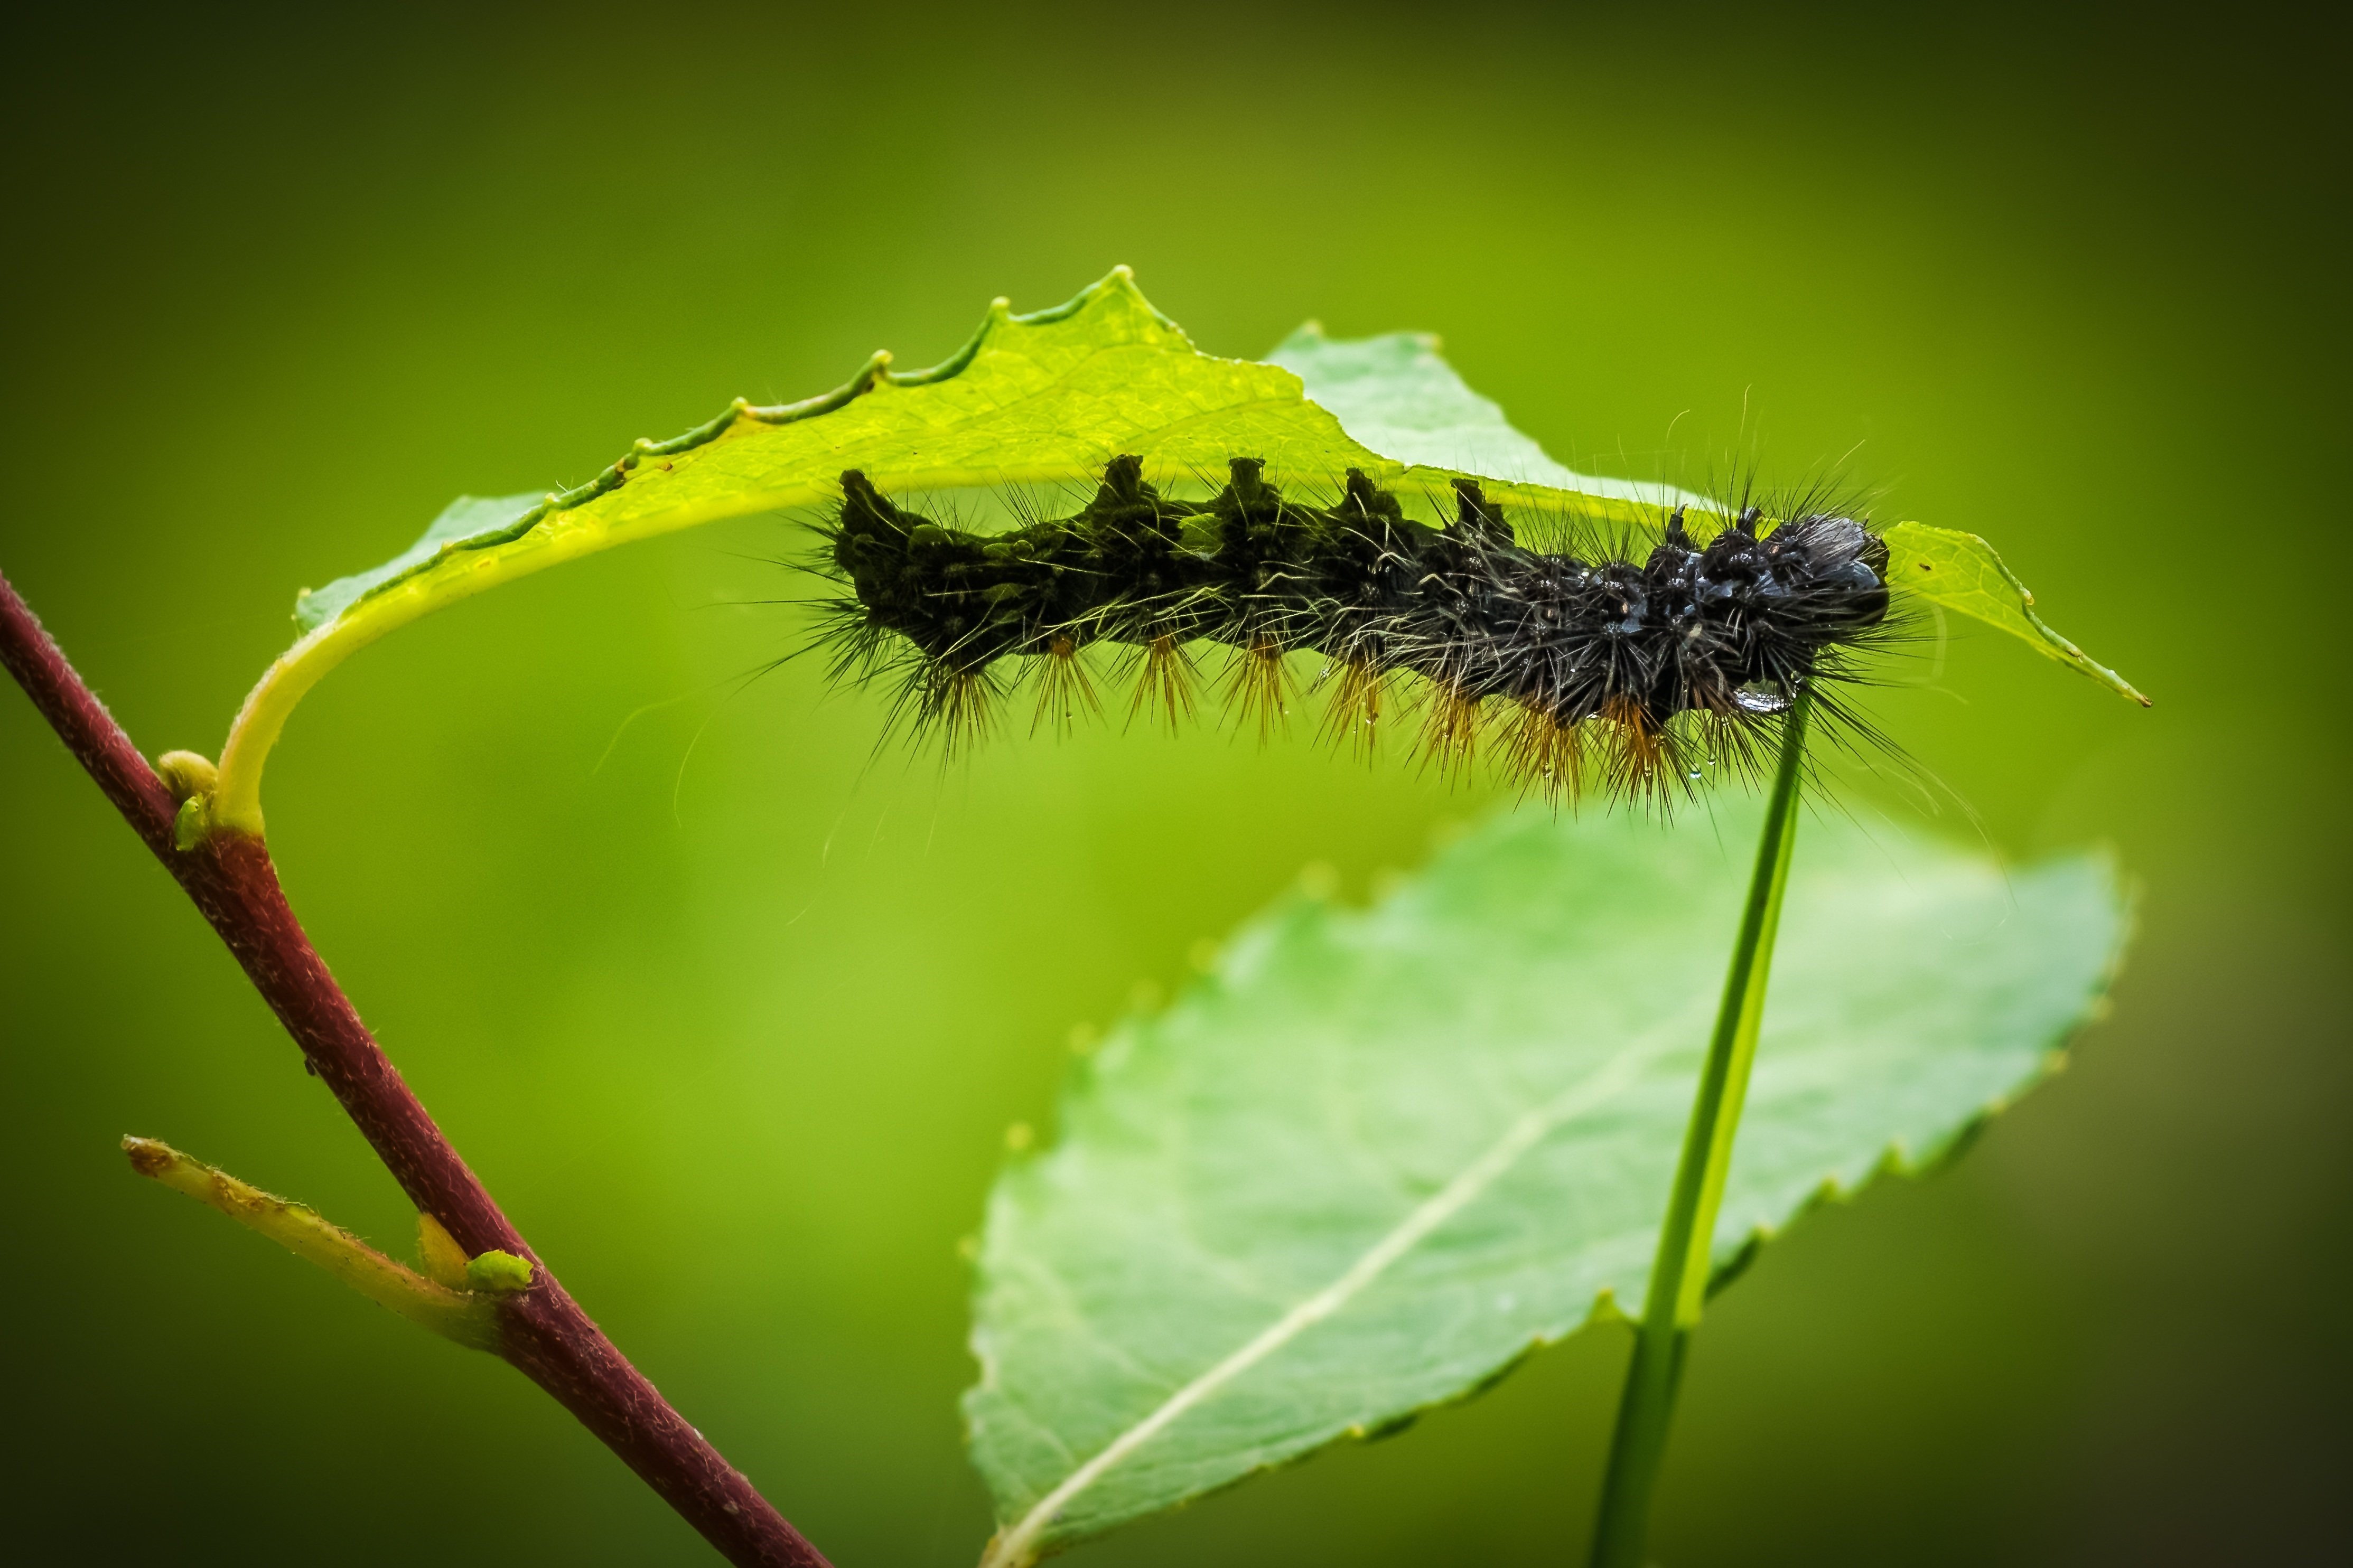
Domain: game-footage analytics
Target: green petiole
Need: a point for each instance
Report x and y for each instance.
(1679, 1275)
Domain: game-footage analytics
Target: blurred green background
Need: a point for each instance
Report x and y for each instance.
(733, 1012)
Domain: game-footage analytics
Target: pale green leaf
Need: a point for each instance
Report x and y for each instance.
(1376, 1157)
(1961, 571)
(469, 522)
(1041, 399)
(1394, 394)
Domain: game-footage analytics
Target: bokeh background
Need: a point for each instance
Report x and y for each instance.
(733, 1013)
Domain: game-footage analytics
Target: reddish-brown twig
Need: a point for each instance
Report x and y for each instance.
(544, 1333)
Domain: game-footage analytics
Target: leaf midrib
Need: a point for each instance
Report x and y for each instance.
(1014, 1547)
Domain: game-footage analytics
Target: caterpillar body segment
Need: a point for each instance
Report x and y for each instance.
(1607, 672)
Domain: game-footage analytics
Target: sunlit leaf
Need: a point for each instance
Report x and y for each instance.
(1046, 398)
(1398, 396)
(1043, 399)
(1377, 1156)
(1961, 571)
(468, 524)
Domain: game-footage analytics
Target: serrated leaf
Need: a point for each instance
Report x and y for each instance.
(1394, 394)
(1044, 398)
(1378, 1156)
(469, 522)
(1041, 399)
(1961, 572)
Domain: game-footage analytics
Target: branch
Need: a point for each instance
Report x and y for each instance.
(466, 1316)
(542, 1331)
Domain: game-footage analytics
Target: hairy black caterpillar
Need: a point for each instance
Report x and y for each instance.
(1599, 671)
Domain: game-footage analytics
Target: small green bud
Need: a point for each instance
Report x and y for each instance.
(499, 1273)
(186, 774)
(191, 779)
(189, 827)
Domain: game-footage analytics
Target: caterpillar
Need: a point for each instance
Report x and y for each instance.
(1588, 668)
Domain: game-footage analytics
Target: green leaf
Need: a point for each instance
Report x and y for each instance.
(469, 522)
(1961, 571)
(1039, 399)
(1396, 396)
(1379, 1156)
(1046, 398)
